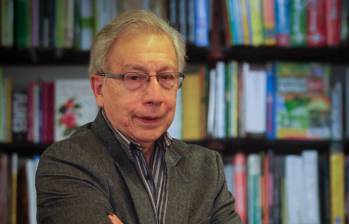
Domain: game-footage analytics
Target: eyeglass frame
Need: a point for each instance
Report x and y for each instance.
(179, 76)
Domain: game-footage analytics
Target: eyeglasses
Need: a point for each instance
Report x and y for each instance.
(135, 80)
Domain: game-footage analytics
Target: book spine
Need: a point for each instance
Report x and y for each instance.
(269, 22)
(333, 16)
(316, 33)
(298, 22)
(282, 11)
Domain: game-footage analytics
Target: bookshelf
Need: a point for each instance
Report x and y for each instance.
(199, 52)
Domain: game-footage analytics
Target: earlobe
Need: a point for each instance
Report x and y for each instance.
(96, 86)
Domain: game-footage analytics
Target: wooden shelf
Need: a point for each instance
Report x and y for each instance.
(337, 55)
(257, 145)
(23, 149)
(225, 146)
(11, 56)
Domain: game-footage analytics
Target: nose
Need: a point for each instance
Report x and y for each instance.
(153, 91)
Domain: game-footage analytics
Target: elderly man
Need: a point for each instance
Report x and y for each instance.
(124, 167)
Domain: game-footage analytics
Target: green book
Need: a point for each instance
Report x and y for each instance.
(298, 22)
(21, 23)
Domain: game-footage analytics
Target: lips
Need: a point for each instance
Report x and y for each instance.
(148, 120)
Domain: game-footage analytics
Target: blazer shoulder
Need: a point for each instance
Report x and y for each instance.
(83, 146)
(196, 154)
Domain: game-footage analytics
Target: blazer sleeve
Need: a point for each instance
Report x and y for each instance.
(224, 204)
(69, 187)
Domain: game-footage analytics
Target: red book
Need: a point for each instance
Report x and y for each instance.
(240, 186)
(266, 199)
(333, 24)
(316, 27)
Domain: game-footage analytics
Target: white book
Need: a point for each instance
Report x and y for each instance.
(211, 102)
(175, 130)
(103, 14)
(75, 105)
(254, 195)
(255, 99)
(219, 123)
(294, 189)
(30, 170)
(229, 173)
(347, 99)
(69, 24)
(86, 25)
(336, 112)
(310, 205)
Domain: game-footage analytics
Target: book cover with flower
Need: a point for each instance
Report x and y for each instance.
(75, 105)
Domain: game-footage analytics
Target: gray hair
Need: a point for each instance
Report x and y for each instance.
(129, 21)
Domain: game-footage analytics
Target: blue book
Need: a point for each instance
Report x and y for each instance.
(201, 23)
(271, 78)
(283, 22)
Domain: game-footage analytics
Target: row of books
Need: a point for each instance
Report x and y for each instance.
(73, 23)
(61, 24)
(44, 112)
(313, 23)
(17, 189)
(276, 100)
(297, 188)
(279, 100)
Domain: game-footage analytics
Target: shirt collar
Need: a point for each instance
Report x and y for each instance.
(126, 143)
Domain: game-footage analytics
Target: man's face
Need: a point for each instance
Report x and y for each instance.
(143, 114)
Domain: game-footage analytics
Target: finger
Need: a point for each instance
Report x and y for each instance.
(114, 219)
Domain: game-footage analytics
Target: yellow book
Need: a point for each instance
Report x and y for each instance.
(337, 187)
(192, 107)
(256, 22)
(245, 21)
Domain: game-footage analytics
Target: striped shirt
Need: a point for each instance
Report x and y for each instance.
(154, 174)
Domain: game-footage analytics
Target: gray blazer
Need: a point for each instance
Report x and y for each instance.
(81, 179)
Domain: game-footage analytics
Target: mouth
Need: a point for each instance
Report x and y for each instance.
(148, 121)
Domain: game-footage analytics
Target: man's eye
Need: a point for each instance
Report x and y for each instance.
(134, 77)
(167, 76)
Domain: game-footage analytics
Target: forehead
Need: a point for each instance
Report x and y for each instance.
(142, 48)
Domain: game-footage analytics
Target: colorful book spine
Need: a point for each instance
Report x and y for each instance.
(201, 23)
(269, 22)
(245, 18)
(337, 186)
(333, 22)
(298, 22)
(191, 107)
(240, 192)
(256, 22)
(316, 33)
(283, 23)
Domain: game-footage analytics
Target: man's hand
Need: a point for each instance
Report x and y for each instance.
(114, 219)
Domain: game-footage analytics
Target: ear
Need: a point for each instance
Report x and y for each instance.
(96, 82)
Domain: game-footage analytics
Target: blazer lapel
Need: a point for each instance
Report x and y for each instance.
(139, 196)
(138, 193)
(178, 185)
